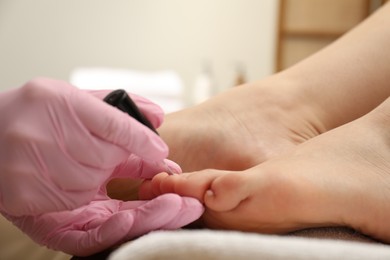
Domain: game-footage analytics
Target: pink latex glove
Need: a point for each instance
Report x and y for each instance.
(59, 144)
(59, 147)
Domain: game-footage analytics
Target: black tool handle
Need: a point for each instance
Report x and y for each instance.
(119, 99)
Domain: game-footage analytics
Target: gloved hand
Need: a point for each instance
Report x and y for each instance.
(105, 222)
(59, 144)
(59, 148)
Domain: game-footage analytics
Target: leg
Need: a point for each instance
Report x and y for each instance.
(273, 115)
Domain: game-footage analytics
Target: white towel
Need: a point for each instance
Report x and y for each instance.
(229, 245)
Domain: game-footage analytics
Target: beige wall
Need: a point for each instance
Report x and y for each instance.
(51, 37)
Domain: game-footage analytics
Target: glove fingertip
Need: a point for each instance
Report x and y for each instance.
(151, 110)
(173, 167)
(191, 209)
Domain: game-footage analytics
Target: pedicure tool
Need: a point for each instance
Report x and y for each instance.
(121, 100)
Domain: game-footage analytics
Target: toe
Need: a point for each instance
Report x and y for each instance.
(227, 192)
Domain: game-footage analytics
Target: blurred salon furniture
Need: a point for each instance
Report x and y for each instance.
(306, 26)
(164, 88)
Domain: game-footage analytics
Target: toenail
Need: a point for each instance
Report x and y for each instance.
(210, 193)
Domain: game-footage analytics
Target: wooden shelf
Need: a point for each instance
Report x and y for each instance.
(306, 26)
(313, 33)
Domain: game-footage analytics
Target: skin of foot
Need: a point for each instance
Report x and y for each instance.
(340, 178)
(268, 118)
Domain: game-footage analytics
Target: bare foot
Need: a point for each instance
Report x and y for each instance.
(236, 130)
(340, 178)
(242, 127)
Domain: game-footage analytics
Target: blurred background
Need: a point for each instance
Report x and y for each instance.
(176, 52)
(54, 38)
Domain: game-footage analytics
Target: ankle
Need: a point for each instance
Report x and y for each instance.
(292, 98)
(379, 120)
